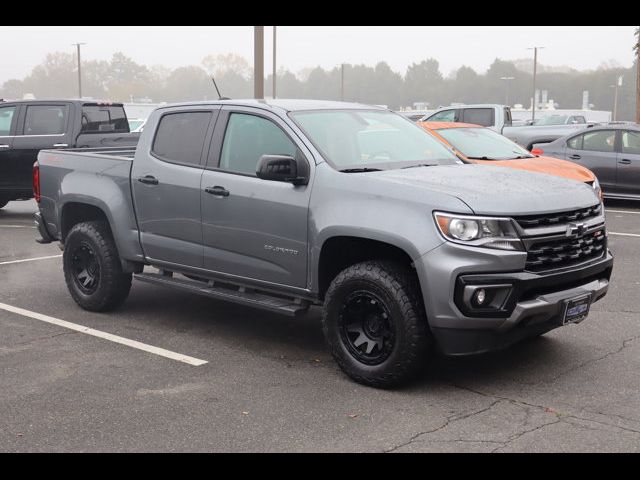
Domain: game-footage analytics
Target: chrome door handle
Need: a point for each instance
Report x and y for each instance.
(4, 146)
(60, 145)
(625, 161)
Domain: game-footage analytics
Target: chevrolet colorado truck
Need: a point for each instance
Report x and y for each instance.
(286, 204)
(28, 126)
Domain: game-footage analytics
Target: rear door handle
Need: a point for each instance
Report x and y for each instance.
(148, 180)
(575, 157)
(217, 191)
(60, 145)
(625, 161)
(4, 146)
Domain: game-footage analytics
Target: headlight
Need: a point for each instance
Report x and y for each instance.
(597, 188)
(487, 232)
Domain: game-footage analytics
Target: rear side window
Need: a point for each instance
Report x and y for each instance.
(104, 119)
(45, 120)
(444, 116)
(180, 137)
(631, 142)
(6, 119)
(599, 141)
(479, 116)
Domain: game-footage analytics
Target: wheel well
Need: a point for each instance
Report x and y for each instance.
(74, 213)
(339, 253)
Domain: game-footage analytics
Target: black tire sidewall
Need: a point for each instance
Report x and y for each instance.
(74, 240)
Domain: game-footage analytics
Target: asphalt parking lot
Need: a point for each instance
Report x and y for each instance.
(269, 384)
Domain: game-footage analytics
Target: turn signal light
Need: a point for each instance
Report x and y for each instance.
(537, 151)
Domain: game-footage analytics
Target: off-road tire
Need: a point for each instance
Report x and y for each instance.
(113, 284)
(397, 287)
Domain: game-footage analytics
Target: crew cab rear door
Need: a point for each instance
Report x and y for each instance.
(8, 166)
(40, 126)
(253, 228)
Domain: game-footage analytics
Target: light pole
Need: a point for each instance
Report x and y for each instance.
(79, 69)
(535, 66)
(274, 62)
(506, 79)
(342, 82)
(615, 97)
(258, 62)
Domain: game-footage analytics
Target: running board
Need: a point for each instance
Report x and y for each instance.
(241, 295)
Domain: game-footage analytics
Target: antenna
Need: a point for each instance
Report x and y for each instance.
(220, 97)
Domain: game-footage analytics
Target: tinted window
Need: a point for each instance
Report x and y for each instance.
(444, 116)
(6, 117)
(103, 118)
(599, 141)
(247, 138)
(575, 142)
(45, 120)
(180, 137)
(478, 116)
(578, 119)
(631, 142)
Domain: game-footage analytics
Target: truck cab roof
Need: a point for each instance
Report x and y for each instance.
(287, 105)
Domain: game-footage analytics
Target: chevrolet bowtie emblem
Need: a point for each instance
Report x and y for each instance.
(576, 229)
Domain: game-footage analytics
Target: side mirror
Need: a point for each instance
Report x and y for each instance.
(283, 168)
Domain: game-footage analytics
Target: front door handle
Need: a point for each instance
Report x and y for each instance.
(5, 146)
(218, 191)
(60, 145)
(625, 161)
(575, 157)
(148, 180)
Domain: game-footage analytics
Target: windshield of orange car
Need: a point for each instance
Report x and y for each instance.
(483, 144)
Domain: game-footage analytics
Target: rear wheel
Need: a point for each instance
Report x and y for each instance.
(92, 268)
(375, 325)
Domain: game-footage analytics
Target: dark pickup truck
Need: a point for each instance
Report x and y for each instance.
(28, 126)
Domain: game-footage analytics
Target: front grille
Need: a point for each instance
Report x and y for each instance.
(532, 221)
(545, 254)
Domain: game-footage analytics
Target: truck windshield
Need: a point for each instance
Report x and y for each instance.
(366, 140)
(104, 119)
(483, 144)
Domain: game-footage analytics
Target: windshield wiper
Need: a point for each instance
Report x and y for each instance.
(422, 165)
(360, 170)
(480, 158)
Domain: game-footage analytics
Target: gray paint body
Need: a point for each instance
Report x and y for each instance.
(176, 224)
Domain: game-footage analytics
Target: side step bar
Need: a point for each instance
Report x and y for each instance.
(240, 295)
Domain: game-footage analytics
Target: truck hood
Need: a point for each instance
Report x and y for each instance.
(548, 165)
(490, 190)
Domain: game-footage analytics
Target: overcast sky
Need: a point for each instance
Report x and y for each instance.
(301, 47)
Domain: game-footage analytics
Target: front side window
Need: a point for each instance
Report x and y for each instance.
(6, 118)
(599, 141)
(631, 142)
(180, 137)
(103, 119)
(483, 144)
(247, 138)
(45, 120)
(444, 116)
(356, 139)
(575, 142)
(508, 121)
(478, 116)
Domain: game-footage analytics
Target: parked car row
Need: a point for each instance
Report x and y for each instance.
(406, 244)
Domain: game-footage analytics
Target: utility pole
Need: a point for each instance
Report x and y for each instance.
(79, 69)
(535, 66)
(507, 79)
(258, 62)
(342, 82)
(274, 62)
(615, 97)
(638, 76)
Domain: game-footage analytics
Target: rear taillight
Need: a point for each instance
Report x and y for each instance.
(36, 181)
(537, 151)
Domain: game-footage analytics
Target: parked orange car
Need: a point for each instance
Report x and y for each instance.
(477, 144)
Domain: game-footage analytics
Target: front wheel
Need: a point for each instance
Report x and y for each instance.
(375, 325)
(92, 268)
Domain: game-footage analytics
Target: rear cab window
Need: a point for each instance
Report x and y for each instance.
(98, 118)
(45, 120)
(180, 137)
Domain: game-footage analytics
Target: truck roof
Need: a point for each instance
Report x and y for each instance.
(76, 101)
(288, 105)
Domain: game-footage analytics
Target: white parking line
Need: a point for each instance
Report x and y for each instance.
(107, 336)
(621, 211)
(30, 259)
(624, 234)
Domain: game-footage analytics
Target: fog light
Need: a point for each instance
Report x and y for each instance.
(480, 296)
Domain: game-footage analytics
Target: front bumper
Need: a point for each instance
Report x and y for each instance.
(536, 303)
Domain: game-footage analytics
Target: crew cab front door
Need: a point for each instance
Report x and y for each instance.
(253, 228)
(8, 120)
(165, 180)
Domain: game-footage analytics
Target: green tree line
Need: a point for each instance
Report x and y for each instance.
(122, 79)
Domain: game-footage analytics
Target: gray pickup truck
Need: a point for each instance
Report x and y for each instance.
(286, 204)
